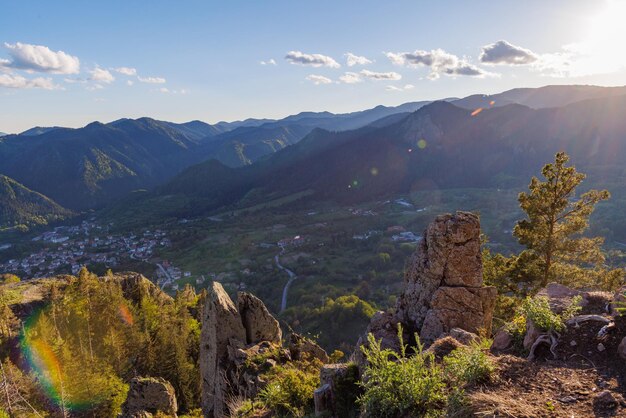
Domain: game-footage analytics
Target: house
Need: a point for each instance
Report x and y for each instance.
(291, 242)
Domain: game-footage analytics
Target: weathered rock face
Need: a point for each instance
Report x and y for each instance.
(443, 282)
(259, 324)
(148, 396)
(338, 391)
(221, 323)
(301, 347)
(237, 345)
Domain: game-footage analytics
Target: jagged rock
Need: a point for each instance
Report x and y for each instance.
(458, 307)
(464, 337)
(605, 400)
(322, 399)
(596, 302)
(502, 340)
(336, 397)
(443, 283)
(301, 347)
(260, 325)
(384, 327)
(147, 396)
(621, 349)
(221, 323)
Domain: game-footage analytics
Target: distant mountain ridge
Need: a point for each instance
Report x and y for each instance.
(437, 147)
(542, 97)
(90, 166)
(96, 165)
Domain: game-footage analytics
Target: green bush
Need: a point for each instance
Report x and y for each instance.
(289, 391)
(469, 365)
(538, 311)
(399, 386)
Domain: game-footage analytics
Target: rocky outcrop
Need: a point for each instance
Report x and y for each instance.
(221, 324)
(302, 348)
(259, 324)
(148, 396)
(237, 345)
(443, 283)
(338, 391)
(443, 289)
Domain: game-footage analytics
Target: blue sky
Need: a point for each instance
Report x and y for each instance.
(183, 60)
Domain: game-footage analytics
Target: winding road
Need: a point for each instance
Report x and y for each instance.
(292, 277)
(167, 275)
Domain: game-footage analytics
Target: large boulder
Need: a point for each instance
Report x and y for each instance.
(443, 282)
(259, 324)
(221, 323)
(449, 255)
(148, 396)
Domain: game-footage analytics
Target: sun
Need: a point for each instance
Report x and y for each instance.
(602, 48)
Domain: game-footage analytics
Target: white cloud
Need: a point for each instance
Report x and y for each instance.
(318, 79)
(353, 78)
(101, 75)
(165, 90)
(94, 87)
(439, 62)
(314, 60)
(15, 81)
(74, 80)
(503, 52)
(129, 71)
(268, 62)
(352, 59)
(40, 58)
(380, 76)
(402, 88)
(130, 82)
(350, 78)
(151, 80)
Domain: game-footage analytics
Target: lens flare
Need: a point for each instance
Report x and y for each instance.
(126, 315)
(374, 171)
(45, 364)
(422, 143)
(477, 111)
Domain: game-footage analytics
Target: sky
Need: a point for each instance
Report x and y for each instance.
(68, 63)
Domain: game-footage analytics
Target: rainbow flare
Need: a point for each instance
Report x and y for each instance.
(44, 362)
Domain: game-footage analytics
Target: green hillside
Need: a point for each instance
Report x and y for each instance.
(22, 206)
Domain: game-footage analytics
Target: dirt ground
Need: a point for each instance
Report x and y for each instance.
(588, 379)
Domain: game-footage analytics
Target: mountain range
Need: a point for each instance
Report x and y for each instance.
(440, 146)
(478, 141)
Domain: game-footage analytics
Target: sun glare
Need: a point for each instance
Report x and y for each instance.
(602, 50)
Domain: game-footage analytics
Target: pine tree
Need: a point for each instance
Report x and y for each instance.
(556, 219)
